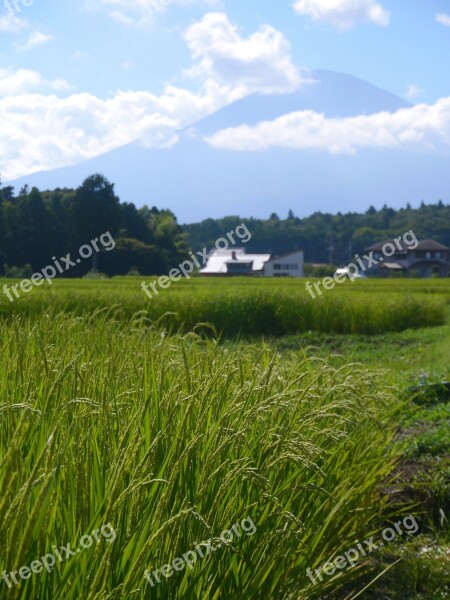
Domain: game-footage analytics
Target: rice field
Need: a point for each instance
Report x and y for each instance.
(126, 425)
(171, 440)
(249, 306)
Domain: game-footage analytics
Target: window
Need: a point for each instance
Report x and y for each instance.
(241, 267)
(285, 267)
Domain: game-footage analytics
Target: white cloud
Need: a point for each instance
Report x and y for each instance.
(414, 90)
(443, 19)
(37, 38)
(343, 14)
(143, 12)
(9, 23)
(422, 127)
(41, 132)
(260, 62)
(26, 80)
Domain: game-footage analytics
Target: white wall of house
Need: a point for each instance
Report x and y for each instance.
(291, 265)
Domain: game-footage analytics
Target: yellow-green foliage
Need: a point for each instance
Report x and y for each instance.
(252, 306)
(172, 440)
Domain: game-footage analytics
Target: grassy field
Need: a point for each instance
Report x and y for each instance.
(121, 419)
(250, 306)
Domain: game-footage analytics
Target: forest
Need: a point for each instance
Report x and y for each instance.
(327, 238)
(36, 225)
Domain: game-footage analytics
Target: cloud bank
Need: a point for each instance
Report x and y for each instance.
(422, 127)
(262, 62)
(343, 14)
(45, 132)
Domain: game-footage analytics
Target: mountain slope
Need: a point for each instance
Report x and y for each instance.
(197, 181)
(333, 94)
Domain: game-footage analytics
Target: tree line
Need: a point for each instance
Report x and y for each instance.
(35, 226)
(327, 238)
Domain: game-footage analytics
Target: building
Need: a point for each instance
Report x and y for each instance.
(427, 259)
(287, 265)
(238, 262)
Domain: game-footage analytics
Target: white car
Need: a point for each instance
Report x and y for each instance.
(350, 274)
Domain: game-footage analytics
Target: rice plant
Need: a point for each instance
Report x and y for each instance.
(171, 439)
(248, 307)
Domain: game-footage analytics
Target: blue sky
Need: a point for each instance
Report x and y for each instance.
(79, 78)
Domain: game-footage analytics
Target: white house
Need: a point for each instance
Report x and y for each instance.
(238, 262)
(287, 265)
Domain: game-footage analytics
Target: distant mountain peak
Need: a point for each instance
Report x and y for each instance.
(197, 181)
(336, 95)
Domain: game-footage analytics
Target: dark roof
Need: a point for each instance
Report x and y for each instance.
(427, 245)
(392, 266)
(278, 256)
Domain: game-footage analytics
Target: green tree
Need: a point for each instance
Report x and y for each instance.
(94, 211)
(36, 245)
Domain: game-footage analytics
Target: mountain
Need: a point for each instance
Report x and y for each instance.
(197, 181)
(332, 94)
